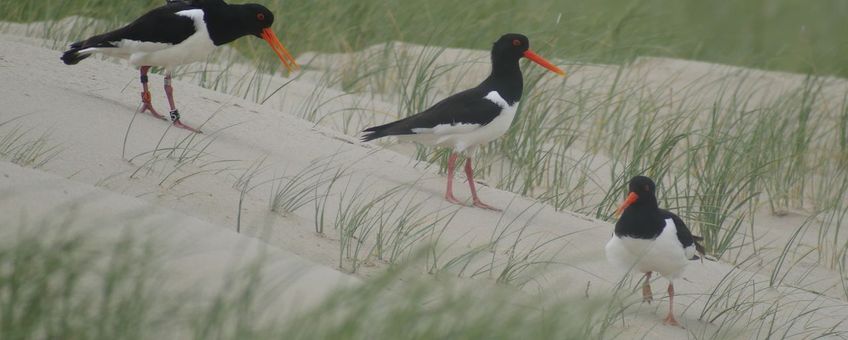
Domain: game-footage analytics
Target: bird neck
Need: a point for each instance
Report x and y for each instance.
(222, 22)
(506, 78)
(647, 201)
(642, 220)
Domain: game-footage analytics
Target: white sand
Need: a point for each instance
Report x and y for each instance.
(88, 107)
(195, 255)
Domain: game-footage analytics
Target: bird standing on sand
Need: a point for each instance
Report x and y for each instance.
(472, 117)
(650, 239)
(178, 33)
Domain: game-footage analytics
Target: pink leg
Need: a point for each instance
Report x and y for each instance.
(469, 172)
(647, 295)
(146, 104)
(175, 114)
(451, 167)
(169, 91)
(669, 319)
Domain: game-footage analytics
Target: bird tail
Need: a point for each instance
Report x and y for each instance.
(84, 49)
(73, 55)
(390, 129)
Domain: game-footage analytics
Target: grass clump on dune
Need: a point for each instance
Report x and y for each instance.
(786, 35)
(62, 277)
(59, 280)
(17, 146)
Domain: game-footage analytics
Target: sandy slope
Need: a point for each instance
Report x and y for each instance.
(88, 110)
(194, 255)
(664, 83)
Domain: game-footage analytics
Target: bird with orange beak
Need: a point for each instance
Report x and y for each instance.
(179, 33)
(648, 239)
(472, 117)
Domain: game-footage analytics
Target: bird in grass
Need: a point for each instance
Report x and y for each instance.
(472, 117)
(650, 239)
(180, 32)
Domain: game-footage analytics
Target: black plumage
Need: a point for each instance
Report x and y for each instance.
(466, 107)
(469, 106)
(224, 22)
(160, 25)
(178, 33)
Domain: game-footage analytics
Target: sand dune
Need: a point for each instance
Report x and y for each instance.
(130, 161)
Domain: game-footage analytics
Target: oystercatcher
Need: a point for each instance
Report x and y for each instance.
(650, 239)
(177, 33)
(472, 117)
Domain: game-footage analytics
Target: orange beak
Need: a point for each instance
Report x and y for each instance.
(541, 61)
(631, 197)
(285, 57)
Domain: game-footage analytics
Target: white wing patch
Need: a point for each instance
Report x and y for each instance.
(447, 129)
(196, 15)
(126, 48)
(496, 98)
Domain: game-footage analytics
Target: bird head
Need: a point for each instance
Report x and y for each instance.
(516, 46)
(258, 20)
(640, 189)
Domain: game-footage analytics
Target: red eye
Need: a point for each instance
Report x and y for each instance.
(260, 16)
(516, 42)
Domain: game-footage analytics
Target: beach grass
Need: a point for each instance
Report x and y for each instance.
(59, 279)
(717, 159)
(19, 146)
(772, 34)
(576, 144)
(719, 162)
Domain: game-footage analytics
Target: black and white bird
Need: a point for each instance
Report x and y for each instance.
(649, 239)
(178, 33)
(472, 117)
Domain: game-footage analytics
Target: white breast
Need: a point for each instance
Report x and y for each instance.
(465, 136)
(663, 254)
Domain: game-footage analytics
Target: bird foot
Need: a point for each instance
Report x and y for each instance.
(146, 105)
(175, 118)
(647, 295)
(180, 125)
(450, 198)
(482, 205)
(671, 321)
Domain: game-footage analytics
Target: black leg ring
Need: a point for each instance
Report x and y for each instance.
(175, 115)
(144, 79)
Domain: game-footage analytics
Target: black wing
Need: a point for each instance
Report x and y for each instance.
(466, 107)
(684, 235)
(160, 25)
(197, 3)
